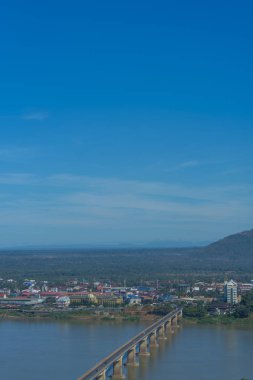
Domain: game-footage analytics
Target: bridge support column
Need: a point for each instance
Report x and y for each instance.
(180, 314)
(153, 340)
(144, 348)
(174, 322)
(161, 332)
(168, 327)
(101, 376)
(131, 358)
(118, 370)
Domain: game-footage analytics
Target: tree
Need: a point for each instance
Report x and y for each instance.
(194, 311)
(241, 311)
(162, 309)
(247, 300)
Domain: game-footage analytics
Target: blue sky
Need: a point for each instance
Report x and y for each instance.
(125, 122)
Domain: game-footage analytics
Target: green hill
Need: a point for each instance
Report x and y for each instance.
(231, 246)
(233, 253)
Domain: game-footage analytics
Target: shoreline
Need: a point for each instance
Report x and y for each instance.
(219, 321)
(12, 315)
(73, 316)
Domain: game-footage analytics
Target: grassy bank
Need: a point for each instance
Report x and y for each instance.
(69, 316)
(89, 316)
(220, 320)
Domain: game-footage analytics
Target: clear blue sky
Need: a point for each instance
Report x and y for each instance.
(125, 122)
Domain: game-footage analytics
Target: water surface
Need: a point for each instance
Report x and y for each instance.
(64, 350)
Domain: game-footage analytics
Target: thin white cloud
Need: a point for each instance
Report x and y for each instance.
(190, 164)
(35, 116)
(17, 153)
(159, 208)
(64, 201)
(16, 179)
(114, 186)
(159, 189)
(186, 165)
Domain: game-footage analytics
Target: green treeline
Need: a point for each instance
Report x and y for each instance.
(116, 265)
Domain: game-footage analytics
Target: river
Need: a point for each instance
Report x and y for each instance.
(64, 350)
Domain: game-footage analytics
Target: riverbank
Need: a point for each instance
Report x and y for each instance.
(83, 316)
(220, 320)
(74, 316)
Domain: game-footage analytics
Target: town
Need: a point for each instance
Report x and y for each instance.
(109, 300)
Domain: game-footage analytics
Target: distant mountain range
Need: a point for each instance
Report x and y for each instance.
(111, 245)
(239, 243)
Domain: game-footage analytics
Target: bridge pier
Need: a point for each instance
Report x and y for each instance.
(131, 358)
(101, 376)
(153, 340)
(118, 370)
(161, 333)
(174, 321)
(167, 327)
(144, 348)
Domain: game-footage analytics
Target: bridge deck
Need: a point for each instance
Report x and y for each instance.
(105, 363)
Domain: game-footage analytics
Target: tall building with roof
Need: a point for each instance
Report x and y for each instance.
(230, 292)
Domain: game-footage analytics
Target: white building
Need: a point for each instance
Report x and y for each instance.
(230, 292)
(63, 301)
(135, 301)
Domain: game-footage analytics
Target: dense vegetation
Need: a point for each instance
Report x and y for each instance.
(195, 311)
(201, 310)
(247, 302)
(232, 254)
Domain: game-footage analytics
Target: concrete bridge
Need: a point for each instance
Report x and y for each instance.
(138, 345)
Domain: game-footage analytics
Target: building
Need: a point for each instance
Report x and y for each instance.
(230, 292)
(245, 287)
(135, 300)
(21, 301)
(63, 301)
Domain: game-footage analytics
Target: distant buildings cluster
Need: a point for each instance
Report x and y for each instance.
(77, 293)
